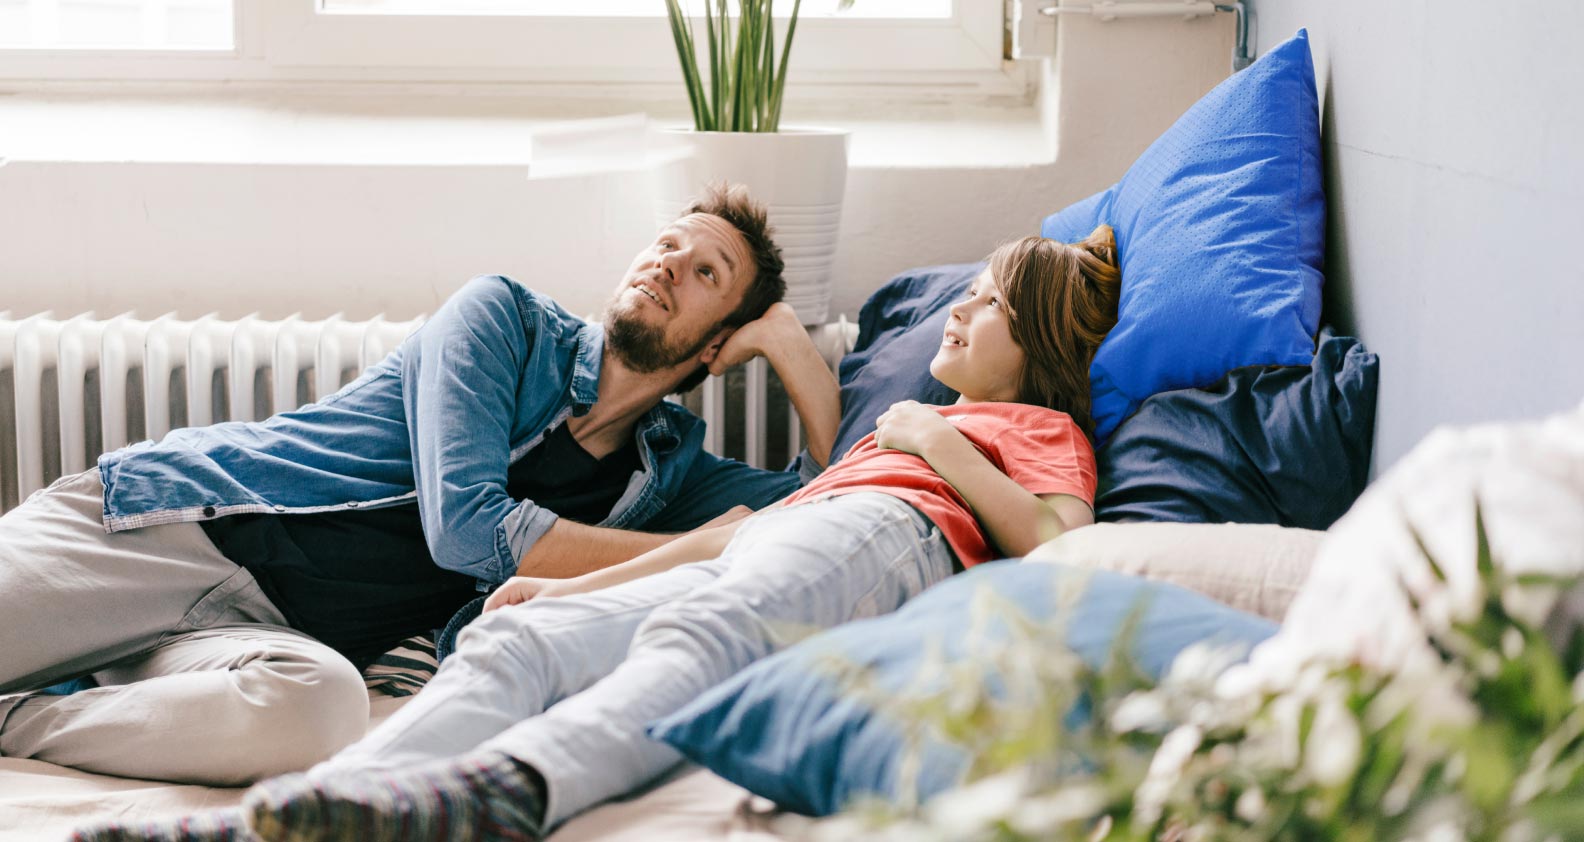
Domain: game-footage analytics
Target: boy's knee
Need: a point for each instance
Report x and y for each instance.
(712, 626)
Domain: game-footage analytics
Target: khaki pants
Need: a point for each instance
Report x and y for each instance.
(200, 679)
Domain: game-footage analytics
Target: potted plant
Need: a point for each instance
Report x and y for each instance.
(735, 82)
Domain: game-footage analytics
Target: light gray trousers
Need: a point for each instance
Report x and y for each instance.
(201, 680)
(569, 684)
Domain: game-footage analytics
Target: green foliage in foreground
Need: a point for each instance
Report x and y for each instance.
(745, 79)
(1479, 736)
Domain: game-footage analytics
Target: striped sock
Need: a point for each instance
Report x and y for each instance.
(486, 797)
(222, 826)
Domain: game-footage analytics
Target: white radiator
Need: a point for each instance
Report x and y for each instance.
(75, 388)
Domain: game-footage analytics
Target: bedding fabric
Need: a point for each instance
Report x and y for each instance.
(1288, 445)
(785, 729)
(1256, 568)
(42, 802)
(1220, 226)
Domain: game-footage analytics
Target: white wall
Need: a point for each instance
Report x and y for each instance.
(1454, 139)
(152, 231)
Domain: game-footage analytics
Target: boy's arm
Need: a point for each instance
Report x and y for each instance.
(1016, 519)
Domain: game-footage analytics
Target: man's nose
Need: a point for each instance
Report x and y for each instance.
(674, 265)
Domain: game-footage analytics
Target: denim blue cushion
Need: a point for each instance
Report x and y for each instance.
(899, 330)
(784, 728)
(1220, 227)
(1288, 445)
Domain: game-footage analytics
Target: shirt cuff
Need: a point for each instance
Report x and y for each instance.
(522, 528)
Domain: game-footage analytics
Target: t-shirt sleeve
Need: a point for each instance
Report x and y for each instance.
(1053, 458)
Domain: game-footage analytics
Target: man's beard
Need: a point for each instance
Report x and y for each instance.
(642, 347)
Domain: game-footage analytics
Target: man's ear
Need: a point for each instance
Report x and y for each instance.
(713, 348)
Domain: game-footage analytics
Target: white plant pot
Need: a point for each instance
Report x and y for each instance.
(799, 174)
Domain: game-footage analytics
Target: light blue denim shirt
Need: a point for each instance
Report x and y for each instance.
(440, 419)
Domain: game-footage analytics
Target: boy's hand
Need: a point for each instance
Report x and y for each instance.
(912, 427)
(520, 589)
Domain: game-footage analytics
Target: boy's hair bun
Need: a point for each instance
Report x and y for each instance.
(1101, 243)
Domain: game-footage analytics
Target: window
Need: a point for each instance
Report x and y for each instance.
(626, 8)
(930, 48)
(116, 24)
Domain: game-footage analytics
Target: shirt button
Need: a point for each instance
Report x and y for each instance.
(352, 504)
(279, 508)
(209, 511)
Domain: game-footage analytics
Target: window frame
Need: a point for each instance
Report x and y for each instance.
(290, 43)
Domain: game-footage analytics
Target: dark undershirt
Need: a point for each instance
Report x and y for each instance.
(362, 580)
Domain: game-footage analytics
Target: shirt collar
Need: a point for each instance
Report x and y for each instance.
(659, 428)
(586, 367)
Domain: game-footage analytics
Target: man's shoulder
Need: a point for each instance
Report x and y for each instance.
(529, 304)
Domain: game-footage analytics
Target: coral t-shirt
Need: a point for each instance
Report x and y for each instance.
(1040, 449)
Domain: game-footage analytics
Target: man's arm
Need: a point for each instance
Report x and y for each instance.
(571, 549)
(701, 544)
(779, 337)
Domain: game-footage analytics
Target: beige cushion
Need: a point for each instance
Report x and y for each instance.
(1252, 567)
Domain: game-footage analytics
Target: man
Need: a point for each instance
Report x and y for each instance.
(218, 585)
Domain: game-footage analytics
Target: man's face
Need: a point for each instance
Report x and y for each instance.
(670, 304)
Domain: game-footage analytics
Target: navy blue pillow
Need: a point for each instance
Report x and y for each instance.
(784, 728)
(1220, 227)
(899, 331)
(1288, 445)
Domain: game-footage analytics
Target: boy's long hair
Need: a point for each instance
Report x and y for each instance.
(1062, 301)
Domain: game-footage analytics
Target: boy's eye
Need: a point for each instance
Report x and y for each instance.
(707, 272)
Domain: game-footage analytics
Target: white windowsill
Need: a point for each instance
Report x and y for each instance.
(458, 131)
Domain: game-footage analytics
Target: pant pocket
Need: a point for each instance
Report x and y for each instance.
(238, 599)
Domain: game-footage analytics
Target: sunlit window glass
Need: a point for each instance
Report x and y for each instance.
(628, 8)
(116, 24)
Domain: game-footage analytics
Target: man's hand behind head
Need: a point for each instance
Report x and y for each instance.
(761, 337)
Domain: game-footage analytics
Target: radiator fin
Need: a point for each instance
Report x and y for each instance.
(75, 388)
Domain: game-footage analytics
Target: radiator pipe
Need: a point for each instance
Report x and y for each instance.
(1110, 10)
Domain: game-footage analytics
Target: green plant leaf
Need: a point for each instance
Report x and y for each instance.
(682, 36)
(777, 84)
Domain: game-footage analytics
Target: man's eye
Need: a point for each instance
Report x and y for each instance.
(667, 244)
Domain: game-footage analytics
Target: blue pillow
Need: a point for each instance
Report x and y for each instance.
(1220, 228)
(899, 331)
(1288, 445)
(784, 729)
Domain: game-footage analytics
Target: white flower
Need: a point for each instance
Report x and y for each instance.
(1335, 743)
(1250, 806)
(1042, 815)
(968, 810)
(1164, 770)
(1201, 664)
(1139, 712)
(1286, 713)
